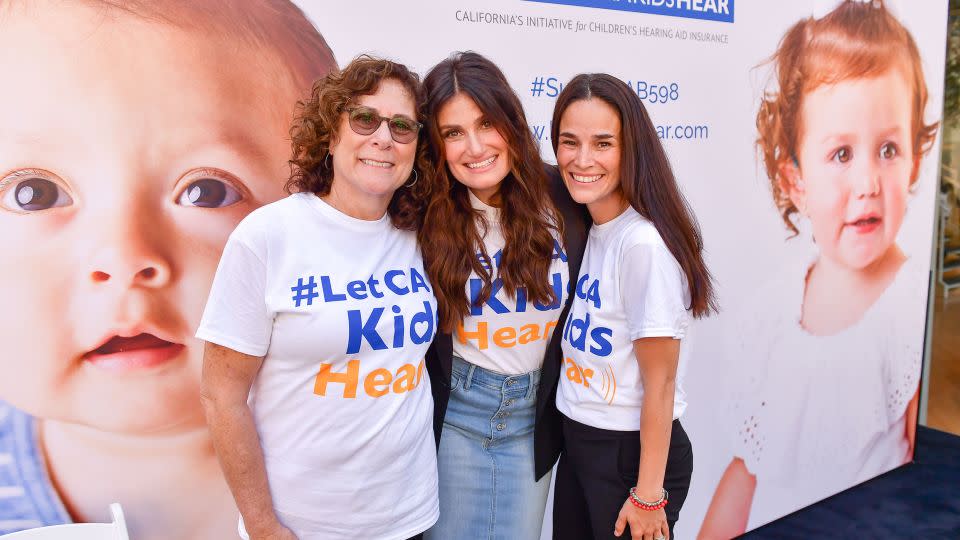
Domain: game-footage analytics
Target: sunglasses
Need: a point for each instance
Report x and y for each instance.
(366, 120)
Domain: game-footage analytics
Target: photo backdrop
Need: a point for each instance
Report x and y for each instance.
(700, 68)
(140, 140)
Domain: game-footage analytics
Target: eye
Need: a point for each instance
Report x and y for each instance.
(604, 144)
(842, 154)
(365, 118)
(452, 134)
(486, 124)
(401, 125)
(28, 192)
(889, 151)
(568, 142)
(207, 192)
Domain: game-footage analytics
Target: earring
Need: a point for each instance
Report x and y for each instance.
(415, 178)
(799, 182)
(326, 161)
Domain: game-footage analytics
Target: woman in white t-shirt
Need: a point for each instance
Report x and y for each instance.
(627, 462)
(494, 249)
(318, 321)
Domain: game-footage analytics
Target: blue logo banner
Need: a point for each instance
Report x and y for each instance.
(708, 10)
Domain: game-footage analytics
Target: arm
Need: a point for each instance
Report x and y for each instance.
(730, 507)
(224, 387)
(658, 358)
(911, 422)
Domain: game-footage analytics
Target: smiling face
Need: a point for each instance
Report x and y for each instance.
(855, 166)
(367, 169)
(123, 169)
(588, 154)
(476, 153)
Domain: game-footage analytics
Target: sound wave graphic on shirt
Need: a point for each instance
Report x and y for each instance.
(608, 384)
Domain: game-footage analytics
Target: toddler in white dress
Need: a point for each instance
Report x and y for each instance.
(830, 358)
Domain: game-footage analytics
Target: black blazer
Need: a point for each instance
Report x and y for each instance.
(548, 437)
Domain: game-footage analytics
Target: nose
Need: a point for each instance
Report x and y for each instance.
(381, 138)
(584, 157)
(128, 249)
(867, 182)
(474, 144)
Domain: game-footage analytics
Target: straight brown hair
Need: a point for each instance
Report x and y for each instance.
(647, 179)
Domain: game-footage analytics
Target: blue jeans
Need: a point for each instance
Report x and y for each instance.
(487, 487)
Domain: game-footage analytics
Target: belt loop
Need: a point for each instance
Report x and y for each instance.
(467, 379)
(530, 384)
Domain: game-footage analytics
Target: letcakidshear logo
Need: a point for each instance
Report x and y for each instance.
(373, 325)
(584, 376)
(484, 333)
(584, 335)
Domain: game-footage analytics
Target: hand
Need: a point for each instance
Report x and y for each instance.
(644, 524)
(275, 532)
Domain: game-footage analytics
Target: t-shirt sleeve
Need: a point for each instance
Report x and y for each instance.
(236, 315)
(654, 292)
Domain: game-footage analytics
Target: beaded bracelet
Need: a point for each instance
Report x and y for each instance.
(644, 505)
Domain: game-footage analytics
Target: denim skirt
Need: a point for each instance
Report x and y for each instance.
(487, 485)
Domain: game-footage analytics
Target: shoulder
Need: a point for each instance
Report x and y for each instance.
(12, 420)
(266, 216)
(30, 499)
(909, 287)
(636, 230)
(269, 222)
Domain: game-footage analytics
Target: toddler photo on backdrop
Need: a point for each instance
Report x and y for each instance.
(828, 365)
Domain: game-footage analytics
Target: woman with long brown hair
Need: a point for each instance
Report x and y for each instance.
(627, 460)
(495, 250)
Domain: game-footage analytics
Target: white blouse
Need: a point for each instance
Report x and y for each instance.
(815, 415)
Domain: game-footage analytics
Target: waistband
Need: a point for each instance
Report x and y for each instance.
(470, 374)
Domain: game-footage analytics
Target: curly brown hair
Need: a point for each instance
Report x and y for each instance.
(318, 119)
(856, 39)
(450, 238)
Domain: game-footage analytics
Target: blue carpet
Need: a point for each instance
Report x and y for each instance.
(920, 500)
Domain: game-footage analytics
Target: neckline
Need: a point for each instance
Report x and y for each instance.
(868, 313)
(328, 211)
(603, 228)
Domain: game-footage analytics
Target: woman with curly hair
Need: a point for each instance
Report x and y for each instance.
(318, 321)
(495, 249)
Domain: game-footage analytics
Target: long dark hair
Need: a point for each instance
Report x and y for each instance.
(646, 179)
(449, 237)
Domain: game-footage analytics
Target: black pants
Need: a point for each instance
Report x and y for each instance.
(597, 469)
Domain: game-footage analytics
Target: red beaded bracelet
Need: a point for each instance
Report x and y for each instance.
(644, 505)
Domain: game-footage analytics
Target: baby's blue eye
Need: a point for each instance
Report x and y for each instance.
(35, 194)
(209, 193)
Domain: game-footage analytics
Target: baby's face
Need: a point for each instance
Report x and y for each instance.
(856, 160)
(128, 153)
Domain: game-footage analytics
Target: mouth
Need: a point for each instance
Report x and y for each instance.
(481, 164)
(865, 224)
(375, 163)
(583, 179)
(121, 354)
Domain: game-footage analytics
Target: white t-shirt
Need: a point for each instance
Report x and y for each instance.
(813, 415)
(342, 312)
(630, 287)
(508, 335)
